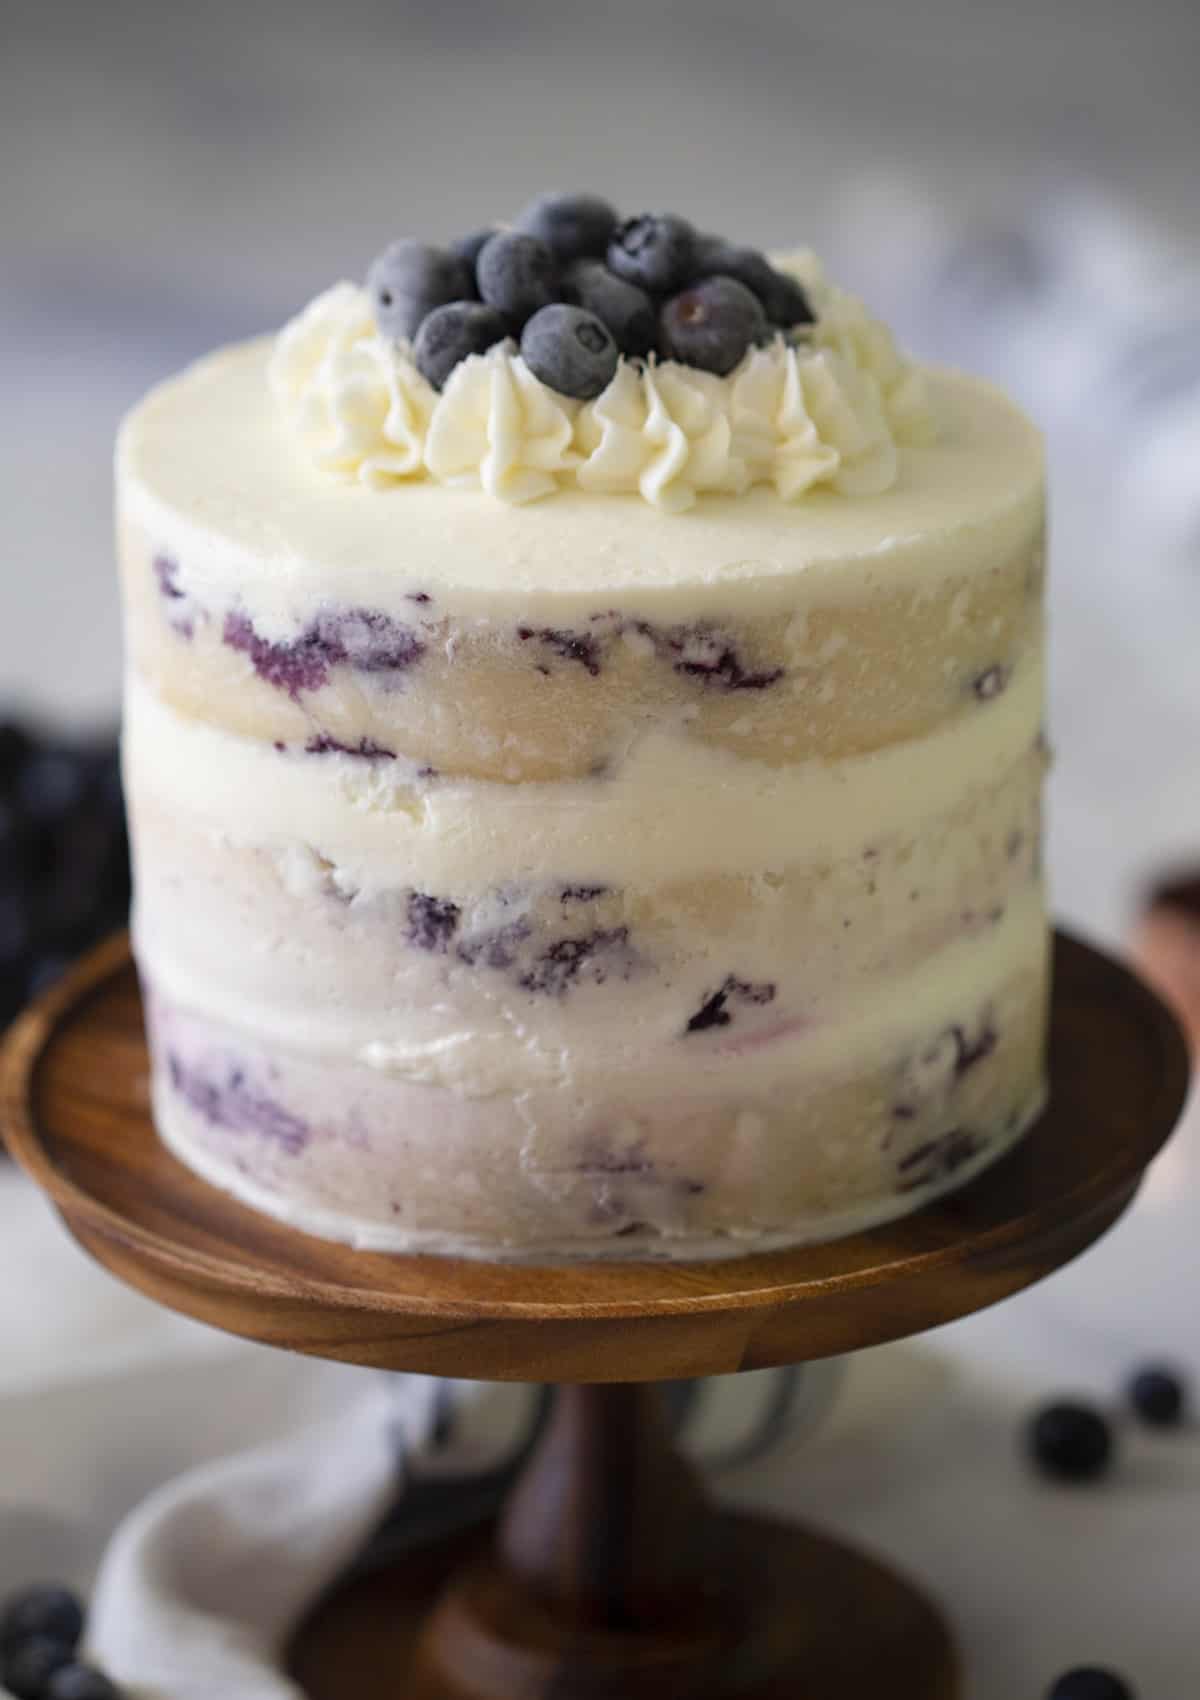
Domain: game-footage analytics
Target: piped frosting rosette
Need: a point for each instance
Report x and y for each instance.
(828, 407)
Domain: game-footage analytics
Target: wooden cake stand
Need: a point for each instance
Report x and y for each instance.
(608, 1576)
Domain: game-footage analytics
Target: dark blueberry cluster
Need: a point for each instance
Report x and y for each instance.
(701, 651)
(715, 1011)
(519, 948)
(579, 287)
(365, 639)
(64, 857)
(228, 1099)
(40, 1631)
(938, 1158)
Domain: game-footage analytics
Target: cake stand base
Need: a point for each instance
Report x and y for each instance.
(363, 1639)
(575, 1595)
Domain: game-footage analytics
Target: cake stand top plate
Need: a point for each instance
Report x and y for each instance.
(75, 1104)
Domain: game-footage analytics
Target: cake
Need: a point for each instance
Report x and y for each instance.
(585, 771)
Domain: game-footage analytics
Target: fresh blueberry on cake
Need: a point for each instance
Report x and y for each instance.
(584, 749)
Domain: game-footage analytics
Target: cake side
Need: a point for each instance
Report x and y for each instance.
(586, 878)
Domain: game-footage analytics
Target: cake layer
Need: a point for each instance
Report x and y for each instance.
(933, 1075)
(313, 613)
(383, 947)
(672, 810)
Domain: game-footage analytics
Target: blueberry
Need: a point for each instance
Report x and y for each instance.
(15, 744)
(782, 298)
(517, 275)
(1070, 1442)
(655, 250)
(1088, 1682)
(450, 333)
(47, 1609)
(571, 350)
(16, 861)
(16, 931)
(468, 248)
(29, 1665)
(81, 1682)
(627, 310)
(52, 784)
(711, 325)
(1159, 1396)
(571, 226)
(788, 303)
(410, 279)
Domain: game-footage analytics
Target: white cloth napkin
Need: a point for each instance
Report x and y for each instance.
(202, 1584)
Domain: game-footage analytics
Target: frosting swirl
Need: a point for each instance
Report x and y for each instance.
(831, 408)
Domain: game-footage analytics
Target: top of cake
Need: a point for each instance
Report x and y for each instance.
(577, 350)
(384, 444)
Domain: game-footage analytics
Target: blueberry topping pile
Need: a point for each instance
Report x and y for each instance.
(578, 288)
(1070, 1442)
(1089, 1682)
(64, 857)
(40, 1631)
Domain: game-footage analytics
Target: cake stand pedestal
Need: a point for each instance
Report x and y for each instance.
(608, 1576)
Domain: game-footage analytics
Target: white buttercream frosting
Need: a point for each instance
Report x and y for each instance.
(832, 408)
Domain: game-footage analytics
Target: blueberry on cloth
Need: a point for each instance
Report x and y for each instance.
(1158, 1394)
(655, 250)
(627, 310)
(450, 333)
(782, 298)
(711, 325)
(517, 274)
(27, 1666)
(570, 350)
(1088, 1682)
(81, 1682)
(1070, 1442)
(409, 279)
(570, 225)
(46, 1609)
(469, 247)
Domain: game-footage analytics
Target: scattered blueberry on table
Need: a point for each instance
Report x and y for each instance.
(64, 857)
(1090, 1683)
(1158, 1395)
(1070, 1442)
(46, 1609)
(634, 287)
(40, 1631)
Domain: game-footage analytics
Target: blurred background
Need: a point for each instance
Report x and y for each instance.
(1013, 186)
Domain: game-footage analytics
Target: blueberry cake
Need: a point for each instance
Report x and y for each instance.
(583, 745)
